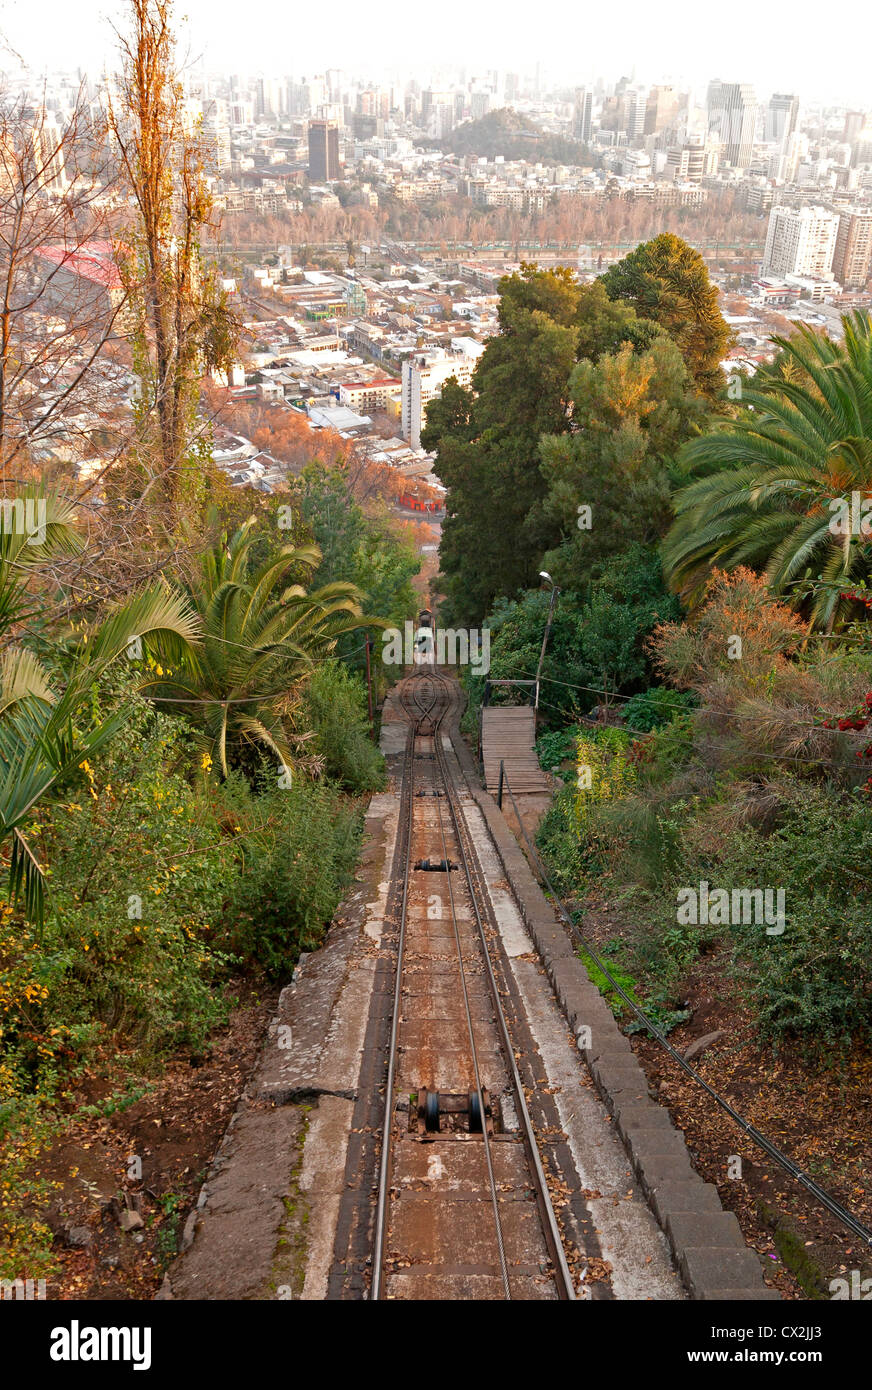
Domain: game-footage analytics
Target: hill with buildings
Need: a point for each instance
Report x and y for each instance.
(506, 132)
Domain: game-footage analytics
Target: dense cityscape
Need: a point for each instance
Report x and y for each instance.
(355, 313)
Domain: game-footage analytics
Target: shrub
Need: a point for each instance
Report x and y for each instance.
(128, 944)
(603, 755)
(555, 747)
(559, 843)
(652, 709)
(126, 963)
(335, 702)
(814, 981)
(299, 851)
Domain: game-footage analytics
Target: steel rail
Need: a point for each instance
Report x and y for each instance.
(488, 1156)
(551, 1230)
(404, 857)
(419, 711)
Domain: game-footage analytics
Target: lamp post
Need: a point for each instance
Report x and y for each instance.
(543, 574)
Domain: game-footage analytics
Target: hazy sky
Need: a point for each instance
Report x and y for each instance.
(822, 52)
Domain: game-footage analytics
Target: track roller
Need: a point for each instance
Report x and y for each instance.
(475, 1119)
(428, 1112)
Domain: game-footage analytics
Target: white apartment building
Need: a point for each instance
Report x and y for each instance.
(800, 241)
(424, 375)
(853, 258)
(691, 162)
(377, 394)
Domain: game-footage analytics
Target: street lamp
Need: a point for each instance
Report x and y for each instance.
(543, 574)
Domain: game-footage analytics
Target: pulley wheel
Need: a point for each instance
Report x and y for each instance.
(475, 1116)
(431, 1111)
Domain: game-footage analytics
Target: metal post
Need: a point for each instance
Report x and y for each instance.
(500, 787)
(481, 709)
(554, 592)
(369, 691)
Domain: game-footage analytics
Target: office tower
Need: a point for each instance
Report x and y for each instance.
(782, 114)
(323, 151)
(582, 115)
(732, 116)
(854, 122)
(661, 109)
(852, 259)
(216, 124)
(479, 105)
(691, 161)
(800, 241)
(633, 113)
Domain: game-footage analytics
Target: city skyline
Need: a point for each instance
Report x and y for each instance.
(774, 54)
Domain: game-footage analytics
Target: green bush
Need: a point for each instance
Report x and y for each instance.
(555, 747)
(655, 708)
(564, 854)
(126, 966)
(298, 858)
(128, 945)
(336, 706)
(813, 981)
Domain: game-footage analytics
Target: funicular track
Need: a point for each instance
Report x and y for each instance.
(462, 1203)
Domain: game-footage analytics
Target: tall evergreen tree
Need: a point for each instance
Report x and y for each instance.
(631, 412)
(487, 456)
(667, 281)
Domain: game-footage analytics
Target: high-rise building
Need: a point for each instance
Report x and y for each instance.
(852, 259)
(732, 116)
(854, 123)
(661, 109)
(47, 162)
(323, 151)
(438, 113)
(691, 161)
(374, 101)
(782, 114)
(633, 108)
(424, 375)
(216, 124)
(479, 104)
(800, 241)
(582, 114)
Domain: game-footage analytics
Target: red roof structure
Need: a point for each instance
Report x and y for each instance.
(94, 261)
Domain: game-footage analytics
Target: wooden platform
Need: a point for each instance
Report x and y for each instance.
(509, 733)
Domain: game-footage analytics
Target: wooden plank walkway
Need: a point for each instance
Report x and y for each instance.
(509, 733)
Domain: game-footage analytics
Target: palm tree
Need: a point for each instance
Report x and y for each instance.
(261, 635)
(768, 485)
(46, 727)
